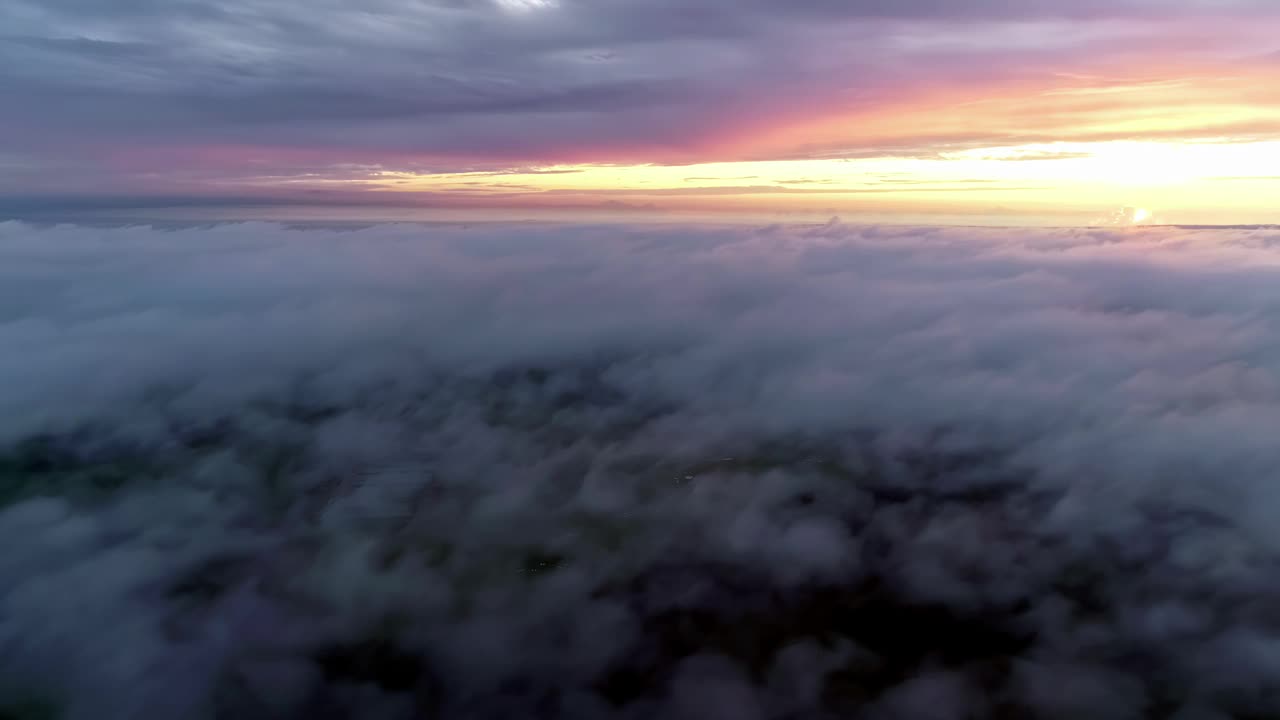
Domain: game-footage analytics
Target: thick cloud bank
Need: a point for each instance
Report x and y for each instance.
(248, 471)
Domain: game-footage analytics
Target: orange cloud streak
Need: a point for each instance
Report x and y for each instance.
(1144, 103)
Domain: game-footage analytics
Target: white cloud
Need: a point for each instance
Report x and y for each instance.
(520, 455)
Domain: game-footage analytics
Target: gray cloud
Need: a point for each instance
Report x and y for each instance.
(626, 471)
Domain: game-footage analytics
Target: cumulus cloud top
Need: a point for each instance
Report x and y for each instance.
(619, 471)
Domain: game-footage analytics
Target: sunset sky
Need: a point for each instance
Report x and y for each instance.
(1049, 111)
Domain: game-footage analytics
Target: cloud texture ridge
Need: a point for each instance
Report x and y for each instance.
(491, 471)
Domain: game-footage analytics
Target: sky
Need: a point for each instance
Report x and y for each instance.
(1093, 111)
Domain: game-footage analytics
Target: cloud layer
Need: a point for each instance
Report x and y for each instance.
(586, 472)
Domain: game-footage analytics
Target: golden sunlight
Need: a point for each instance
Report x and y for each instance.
(1204, 179)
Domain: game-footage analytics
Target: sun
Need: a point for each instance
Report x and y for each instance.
(1126, 216)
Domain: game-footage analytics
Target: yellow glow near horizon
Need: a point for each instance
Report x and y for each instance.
(1236, 179)
(1111, 163)
(1134, 162)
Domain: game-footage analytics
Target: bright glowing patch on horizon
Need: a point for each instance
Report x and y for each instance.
(1128, 162)
(1207, 180)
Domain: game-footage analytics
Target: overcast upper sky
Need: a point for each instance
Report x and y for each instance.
(274, 99)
